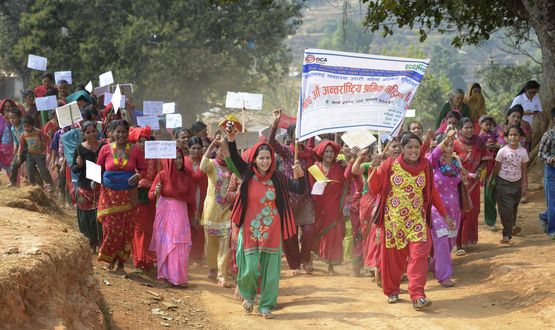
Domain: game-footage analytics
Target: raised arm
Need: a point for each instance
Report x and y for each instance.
(238, 162)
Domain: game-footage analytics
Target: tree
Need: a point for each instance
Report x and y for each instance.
(473, 21)
(190, 52)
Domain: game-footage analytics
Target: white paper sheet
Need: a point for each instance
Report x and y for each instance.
(93, 171)
(62, 75)
(246, 100)
(174, 120)
(152, 121)
(108, 97)
(360, 138)
(160, 149)
(117, 100)
(318, 188)
(37, 62)
(153, 108)
(68, 112)
(410, 113)
(168, 107)
(106, 79)
(99, 91)
(46, 103)
(89, 87)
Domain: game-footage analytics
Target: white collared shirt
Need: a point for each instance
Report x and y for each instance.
(533, 105)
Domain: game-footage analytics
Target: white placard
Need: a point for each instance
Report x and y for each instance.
(174, 120)
(168, 108)
(106, 79)
(68, 114)
(318, 188)
(160, 150)
(37, 62)
(153, 108)
(243, 100)
(93, 171)
(108, 97)
(360, 138)
(126, 89)
(89, 87)
(117, 100)
(152, 121)
(62, 75)
(246, 140)
(46, 103)
(410, 113)
(99, 91)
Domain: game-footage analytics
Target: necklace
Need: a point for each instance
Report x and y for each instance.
(121, 161)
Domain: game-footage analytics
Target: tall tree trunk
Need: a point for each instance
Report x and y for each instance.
(542, 18)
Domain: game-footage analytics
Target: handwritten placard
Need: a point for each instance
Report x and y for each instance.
(160, 150)
(46, 103)
(93, 171)
(106, 79)
(168, 108)
(89, 87)
(108, 98)
(410, 113)
(360, 138)
(152, 121)
(174, 120)
(37, 62)
(243, 100)
(153, 108)
(246, 140)
(62, 75)
(68, 114)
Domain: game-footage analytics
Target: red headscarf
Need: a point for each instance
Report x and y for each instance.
(135, 133)
(175, 182)
(251, 161)
(319, 150)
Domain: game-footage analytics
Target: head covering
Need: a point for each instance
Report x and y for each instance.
(3, 102)
(252, 158)
(78, 95)
(135, 133)
(486, 117)
(175, 182)
(319, 150)
(476, 102)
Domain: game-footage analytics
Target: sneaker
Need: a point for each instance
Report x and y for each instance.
(516, 230)
(421, 303)
(393, 299)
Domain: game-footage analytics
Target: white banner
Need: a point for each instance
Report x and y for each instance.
(160, 149)
(343, 91)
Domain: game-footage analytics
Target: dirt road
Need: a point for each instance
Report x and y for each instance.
(497, 287)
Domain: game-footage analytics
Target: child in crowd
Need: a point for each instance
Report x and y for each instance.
(489, 137)
(34, 141)
(509, 170)
(14, 116)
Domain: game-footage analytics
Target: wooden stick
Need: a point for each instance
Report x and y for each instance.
(296, 158)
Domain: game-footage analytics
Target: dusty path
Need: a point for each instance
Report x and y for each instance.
(497, 288)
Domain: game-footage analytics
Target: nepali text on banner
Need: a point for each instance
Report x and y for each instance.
(341, 91)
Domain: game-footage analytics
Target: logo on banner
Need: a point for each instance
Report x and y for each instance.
(416, 67)
(311, 59)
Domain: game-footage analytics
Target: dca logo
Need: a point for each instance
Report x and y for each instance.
(311, 59)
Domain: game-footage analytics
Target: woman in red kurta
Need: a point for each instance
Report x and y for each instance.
(200, 181)
(330, 223)
(474, 157)
(145, 212)
(120, 162)
(406, 189)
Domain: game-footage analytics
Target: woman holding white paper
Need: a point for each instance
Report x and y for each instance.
(87, 197)
(328, 206)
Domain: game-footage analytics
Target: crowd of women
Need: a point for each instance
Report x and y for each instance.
(412, 202)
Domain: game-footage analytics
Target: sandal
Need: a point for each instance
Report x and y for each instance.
(331, 272)
(223, 283)
(266, 314)
(516, 230)
(296, 272)
(421, 303)
(460, 252)
(447, 284)
(308, 269)
(248, 305)
(505, 240)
